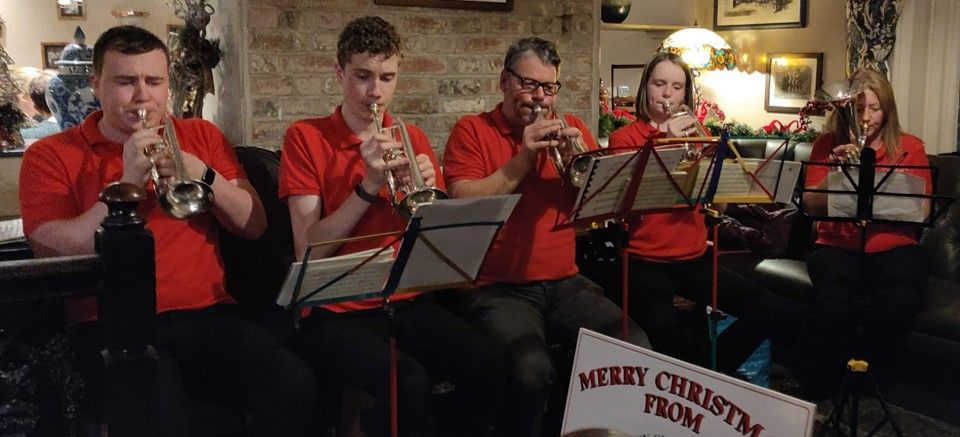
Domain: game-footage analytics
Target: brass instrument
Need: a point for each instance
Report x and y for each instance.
(842, 96)
(572, 168)
(180, 197)
(690, 152)
(405, 199)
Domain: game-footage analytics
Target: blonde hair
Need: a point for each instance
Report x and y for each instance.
(890, 130)
(23, 76)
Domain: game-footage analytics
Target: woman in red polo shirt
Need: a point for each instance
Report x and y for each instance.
(668, 251)
(866, 290)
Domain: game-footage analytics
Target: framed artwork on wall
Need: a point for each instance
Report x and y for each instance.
(50, 53)
(482, 5)
(759, 14)
(73, 11)
(793, 80)
(624, 79)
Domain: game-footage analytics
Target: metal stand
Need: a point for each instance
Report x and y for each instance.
(857, 369)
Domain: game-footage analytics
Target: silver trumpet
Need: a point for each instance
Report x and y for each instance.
(690, 152)
(573, 167)
(406, 198)
(180, 197)
(842, 96)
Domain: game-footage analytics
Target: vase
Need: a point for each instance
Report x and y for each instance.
(614, 11)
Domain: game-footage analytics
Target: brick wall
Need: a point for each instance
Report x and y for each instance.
(452, 59)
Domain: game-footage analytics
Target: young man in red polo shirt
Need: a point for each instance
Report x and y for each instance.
(530, 274)
(202, 344)
(333, 176)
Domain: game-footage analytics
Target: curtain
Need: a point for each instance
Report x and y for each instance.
(871, 33)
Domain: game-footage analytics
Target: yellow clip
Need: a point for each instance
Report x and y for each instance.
(856, 365)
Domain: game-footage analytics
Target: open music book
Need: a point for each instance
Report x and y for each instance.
(655, 191)
(737, 186)
(453, 239)
(898, 208)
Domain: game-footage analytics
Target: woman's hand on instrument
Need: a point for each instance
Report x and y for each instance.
(680, 126)
(843, 153)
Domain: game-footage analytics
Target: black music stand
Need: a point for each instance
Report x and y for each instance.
(417, 244)
(710, 187)
(866, 189)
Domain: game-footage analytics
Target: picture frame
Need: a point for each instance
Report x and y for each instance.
(624, 80)
(479, 5)
(50, 54)
(760, 14)
(792, 80)
(73, 11)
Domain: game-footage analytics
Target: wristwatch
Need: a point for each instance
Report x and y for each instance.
(208, 176)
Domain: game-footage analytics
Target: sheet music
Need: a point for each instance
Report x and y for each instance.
(735, 185)
(655, 190)
(898, 208)
(11, 230)
(464, 246)
(367, 280)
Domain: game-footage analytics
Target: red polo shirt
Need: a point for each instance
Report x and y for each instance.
(666, 236)
(528, 248)
(62, 175)
(321, 157)
(880, 237)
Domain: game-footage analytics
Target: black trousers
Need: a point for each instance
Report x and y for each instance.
(434, 346)
(212, 355)
(863, 307)
(760, 313)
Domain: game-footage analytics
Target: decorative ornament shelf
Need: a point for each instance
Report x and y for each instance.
(642, 27)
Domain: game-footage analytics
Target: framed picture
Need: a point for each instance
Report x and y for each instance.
(793, 80)
(50, 53)
(759, 14)
(74, 11)
(624, 80)
(482, 5)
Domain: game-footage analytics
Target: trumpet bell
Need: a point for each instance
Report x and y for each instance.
(408, 206)
(186, 198)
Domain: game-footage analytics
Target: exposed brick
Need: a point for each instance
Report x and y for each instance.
(423, 64)
(271, 130)
(270, 85)
(304, 108)
(416, 85)
(264, 17)
(309, 85)
(477, 65)
(422, 24)
(308, 63)
(467, 106)
(331, 85)
(271, 40)
(484, 44)
(460, 87)
(265, 108)
(413, 105)
(260, 63)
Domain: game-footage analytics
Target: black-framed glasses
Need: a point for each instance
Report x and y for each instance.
(531, 85)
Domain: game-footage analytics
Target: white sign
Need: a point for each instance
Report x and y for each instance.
(622, 387)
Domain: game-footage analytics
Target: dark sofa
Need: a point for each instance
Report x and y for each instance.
(931, 384)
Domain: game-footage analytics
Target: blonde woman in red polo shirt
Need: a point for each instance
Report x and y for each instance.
(865, 296)
(332, 176)
(668, 251)
(529, 278)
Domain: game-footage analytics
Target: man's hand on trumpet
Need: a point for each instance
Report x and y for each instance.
(541, 134)
(140, 153)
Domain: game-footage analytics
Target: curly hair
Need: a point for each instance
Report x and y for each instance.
(371, 35)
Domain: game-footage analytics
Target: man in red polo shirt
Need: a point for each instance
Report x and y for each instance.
(332, 174)
(204, 347)
(530, 275)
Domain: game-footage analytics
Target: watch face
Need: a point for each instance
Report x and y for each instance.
(208, 176)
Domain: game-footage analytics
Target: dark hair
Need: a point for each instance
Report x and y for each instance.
(372, 35)
(129, 40)
(543, 49)
(38, 90)
(641, 105)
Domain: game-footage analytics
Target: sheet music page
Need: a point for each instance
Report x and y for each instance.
(362, 283)
(898, 208)
(601, 170)
(656, 190)
(464, 246)
(11, 230)
(736, 185)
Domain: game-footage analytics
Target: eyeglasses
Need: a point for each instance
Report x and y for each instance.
(530, 85)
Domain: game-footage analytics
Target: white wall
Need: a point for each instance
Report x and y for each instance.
(30, 22)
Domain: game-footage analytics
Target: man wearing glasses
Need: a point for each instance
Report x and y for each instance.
(529, 278)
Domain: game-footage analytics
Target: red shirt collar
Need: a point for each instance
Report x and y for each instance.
(502, 124)
(344, 137)
(90, 130)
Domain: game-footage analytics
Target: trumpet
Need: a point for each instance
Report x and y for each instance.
(573, 167)
(181, 197)
(843, 97)
(406, 198)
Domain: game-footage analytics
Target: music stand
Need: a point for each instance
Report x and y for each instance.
(747, 183)
(435, 253)
(866, 189)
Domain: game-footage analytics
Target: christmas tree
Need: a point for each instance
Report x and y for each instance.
(11, 117)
